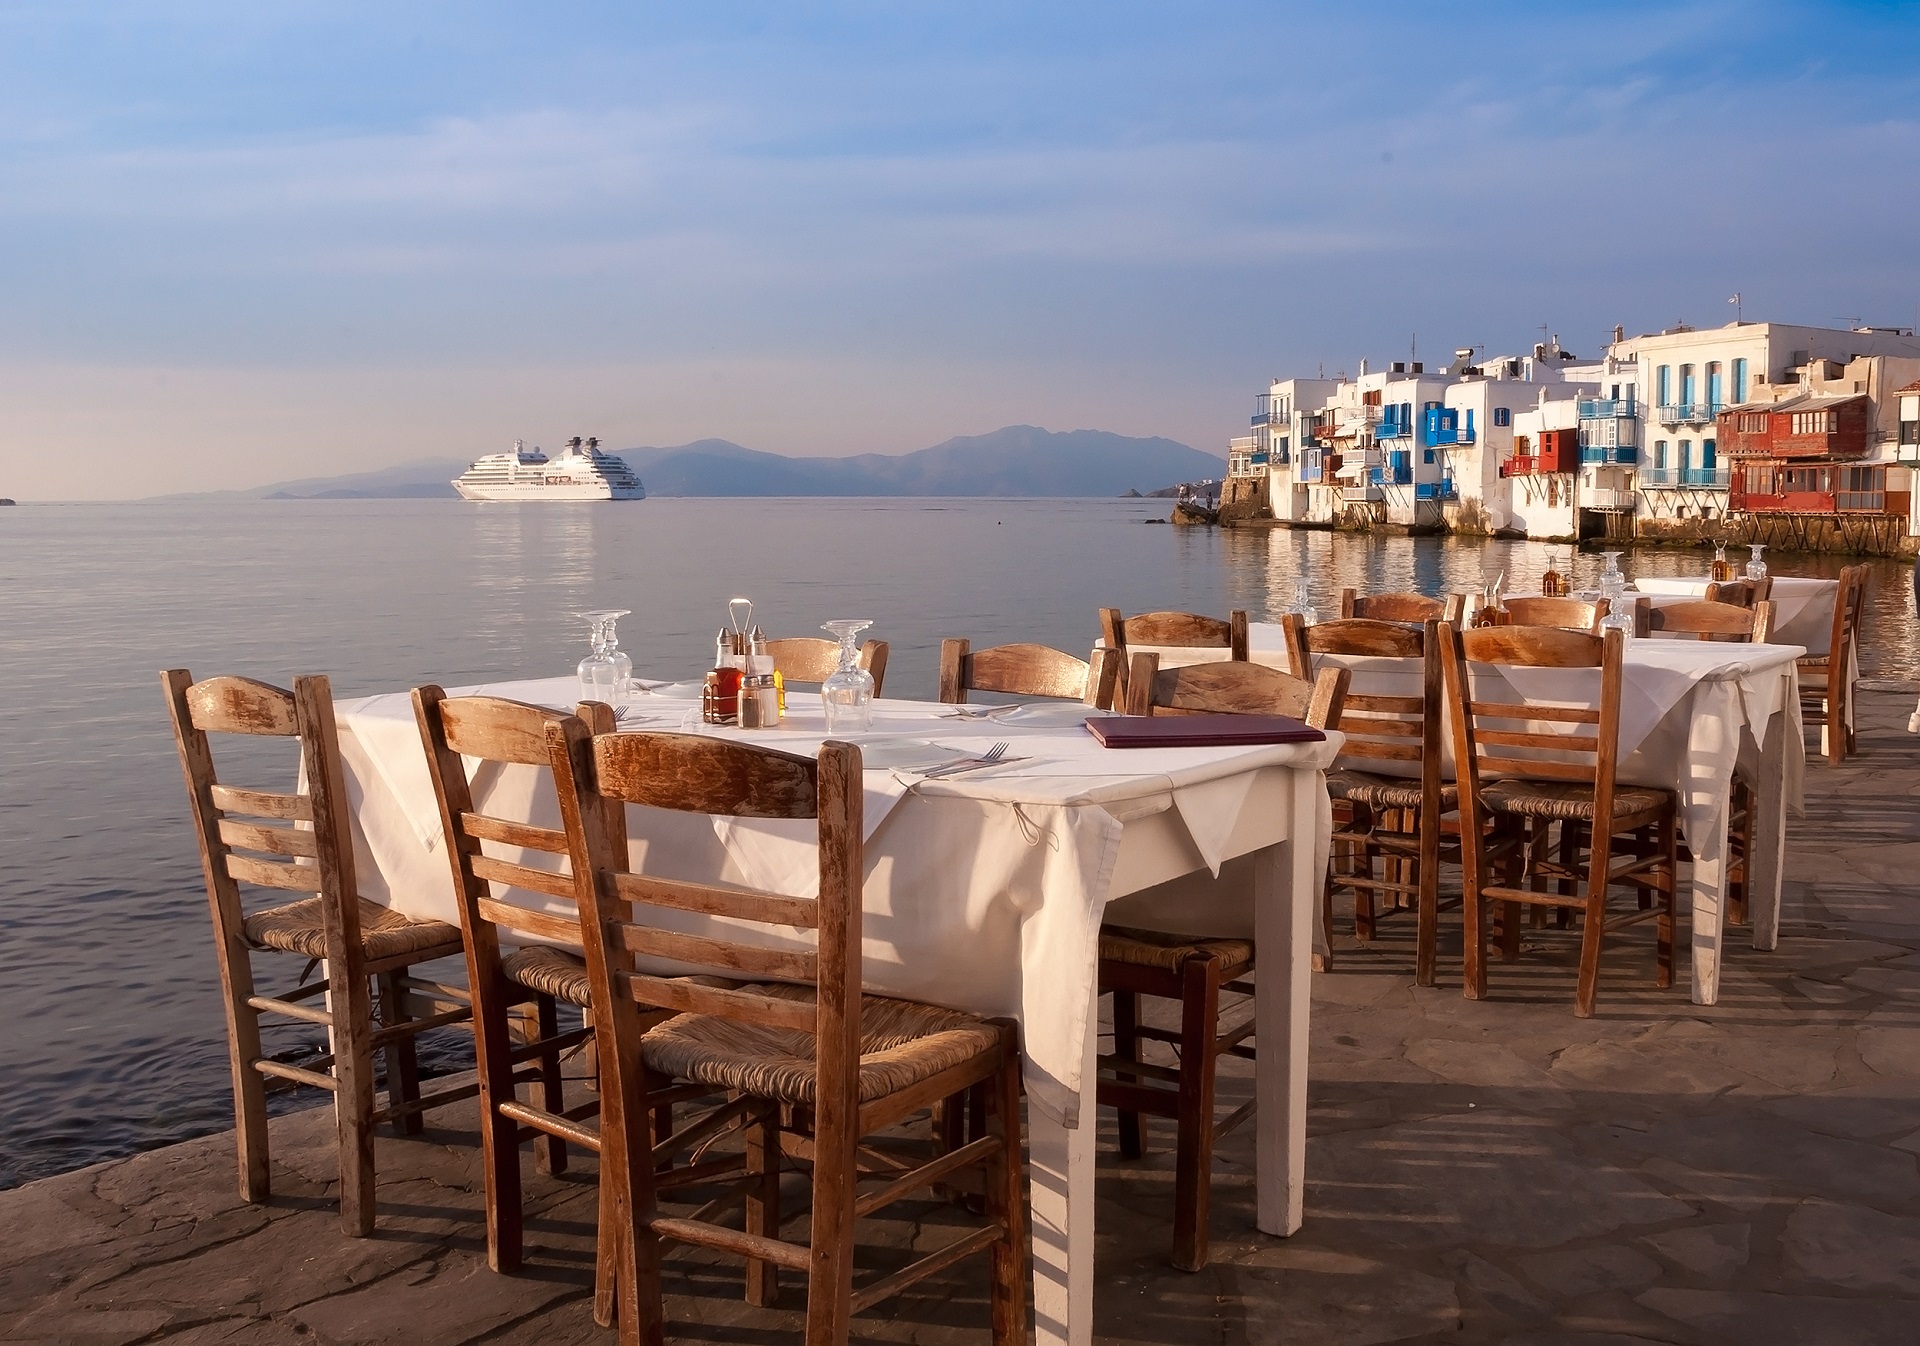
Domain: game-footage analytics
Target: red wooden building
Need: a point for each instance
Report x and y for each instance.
(1805, 455)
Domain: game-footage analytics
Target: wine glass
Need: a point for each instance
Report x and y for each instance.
(606, 675)
(1756, 568)
(1303, 601)
(847, 694)
(1613, 588)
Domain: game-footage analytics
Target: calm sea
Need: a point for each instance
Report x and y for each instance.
(113, 1036)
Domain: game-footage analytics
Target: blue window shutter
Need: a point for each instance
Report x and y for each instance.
(1739, 380)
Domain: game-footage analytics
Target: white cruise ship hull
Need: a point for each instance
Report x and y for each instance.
(549, 490)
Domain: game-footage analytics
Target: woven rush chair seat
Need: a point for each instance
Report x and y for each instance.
(1385, 792)
(384, 933)
(550, 971)
(1570, 802)
(1153, 948)
(901, 1043)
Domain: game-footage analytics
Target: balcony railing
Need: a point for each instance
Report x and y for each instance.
(1520, 465)
(1269, 418)
(1607, 497)
(1440, 438)
(1435, 490)
(1600, 455)
(1689, 413)
(1713, 478)
(1258, 460)
(1862, 502)
(1607, 408)
(1367, 492)
(1393, 430)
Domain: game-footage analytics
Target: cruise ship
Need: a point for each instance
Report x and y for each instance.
(582, 472)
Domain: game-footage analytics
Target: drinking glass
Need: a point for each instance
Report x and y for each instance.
(1613, 588)
(847, 694)
(606, 675)
(1303, 601)
(1756, 568)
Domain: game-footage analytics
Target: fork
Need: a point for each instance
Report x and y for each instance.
(987, 758)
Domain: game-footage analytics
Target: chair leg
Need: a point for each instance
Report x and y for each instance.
(249, 1086)
(1193, 1169)
(830, 1264)
(763, 1203)
(606, 1254)
(1126, 1046)
(1594, 928)
(1473, 933)
(352, 1012)
(1666, 838)
(627, 1167)
(403, 1058)
(1007, 1203)
(1426, 943)
(550, 1152)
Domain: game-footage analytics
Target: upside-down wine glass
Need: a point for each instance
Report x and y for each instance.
(847, 694)
(1303, 601)
(1756, 568)
(606, 675)
(1613, 588)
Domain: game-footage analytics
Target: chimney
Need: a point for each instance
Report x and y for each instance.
(1619, 333)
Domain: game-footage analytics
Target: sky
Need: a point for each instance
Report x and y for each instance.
(241, 242)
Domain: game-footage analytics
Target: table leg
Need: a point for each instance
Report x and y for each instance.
(1060, 1176)
(1766, 866)
(1286, 886)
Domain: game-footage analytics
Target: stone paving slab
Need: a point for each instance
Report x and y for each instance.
(1497, 1172)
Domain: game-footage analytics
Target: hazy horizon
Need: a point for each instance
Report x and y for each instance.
(241, 246)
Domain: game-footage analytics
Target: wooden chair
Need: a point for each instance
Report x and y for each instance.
(1389, 832)
(1184, 630)
(1569, 614)
(1189, 969)
(1026, 670)
(503, 981)
(1711, 619)
(1506, 781)
(814, 1065)
(1824, 689)
(301, 843)
(1401, 607)
(813, 659)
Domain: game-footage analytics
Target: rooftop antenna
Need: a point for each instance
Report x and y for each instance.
(1413, 347)
(1737, 305)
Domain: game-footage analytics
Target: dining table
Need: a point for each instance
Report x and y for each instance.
(984, 891)
(1695, 716)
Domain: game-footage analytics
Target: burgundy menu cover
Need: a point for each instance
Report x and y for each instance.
(1199, 731)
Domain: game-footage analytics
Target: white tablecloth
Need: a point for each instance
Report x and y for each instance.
(1692, 715)
(984, 893)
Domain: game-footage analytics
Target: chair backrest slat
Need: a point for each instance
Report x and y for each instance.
(273, 874)
(1731, 593)
(261, 803)
(694, 774)
(1235, 689)
(689, 997)
(727, 955)
(490, 869)
(269, 839)
(814, 658)
(710, 900)
(232, 705)
(1025, 670)
(1714, 620)
(1400, 607)
(539, 924)
(509, 832)
(1569, 614)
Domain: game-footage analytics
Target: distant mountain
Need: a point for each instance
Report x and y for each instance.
(1020, 460)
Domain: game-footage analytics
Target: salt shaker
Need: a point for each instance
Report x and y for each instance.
(759, 697)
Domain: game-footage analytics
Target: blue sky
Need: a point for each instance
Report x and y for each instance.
(241, 242)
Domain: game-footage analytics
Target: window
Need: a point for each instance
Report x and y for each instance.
(1714, 390)
(1371, 399)
(1739, 380)
(1753, 422)
(1615, 394)
(1708, 452)
(1686, 454)
(1659, 453)
(1686, 385)
(1502, 416)
(1427, 457)
(1666, 385)
(1815, 422)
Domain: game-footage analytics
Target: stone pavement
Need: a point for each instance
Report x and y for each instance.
(1494, 1172)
